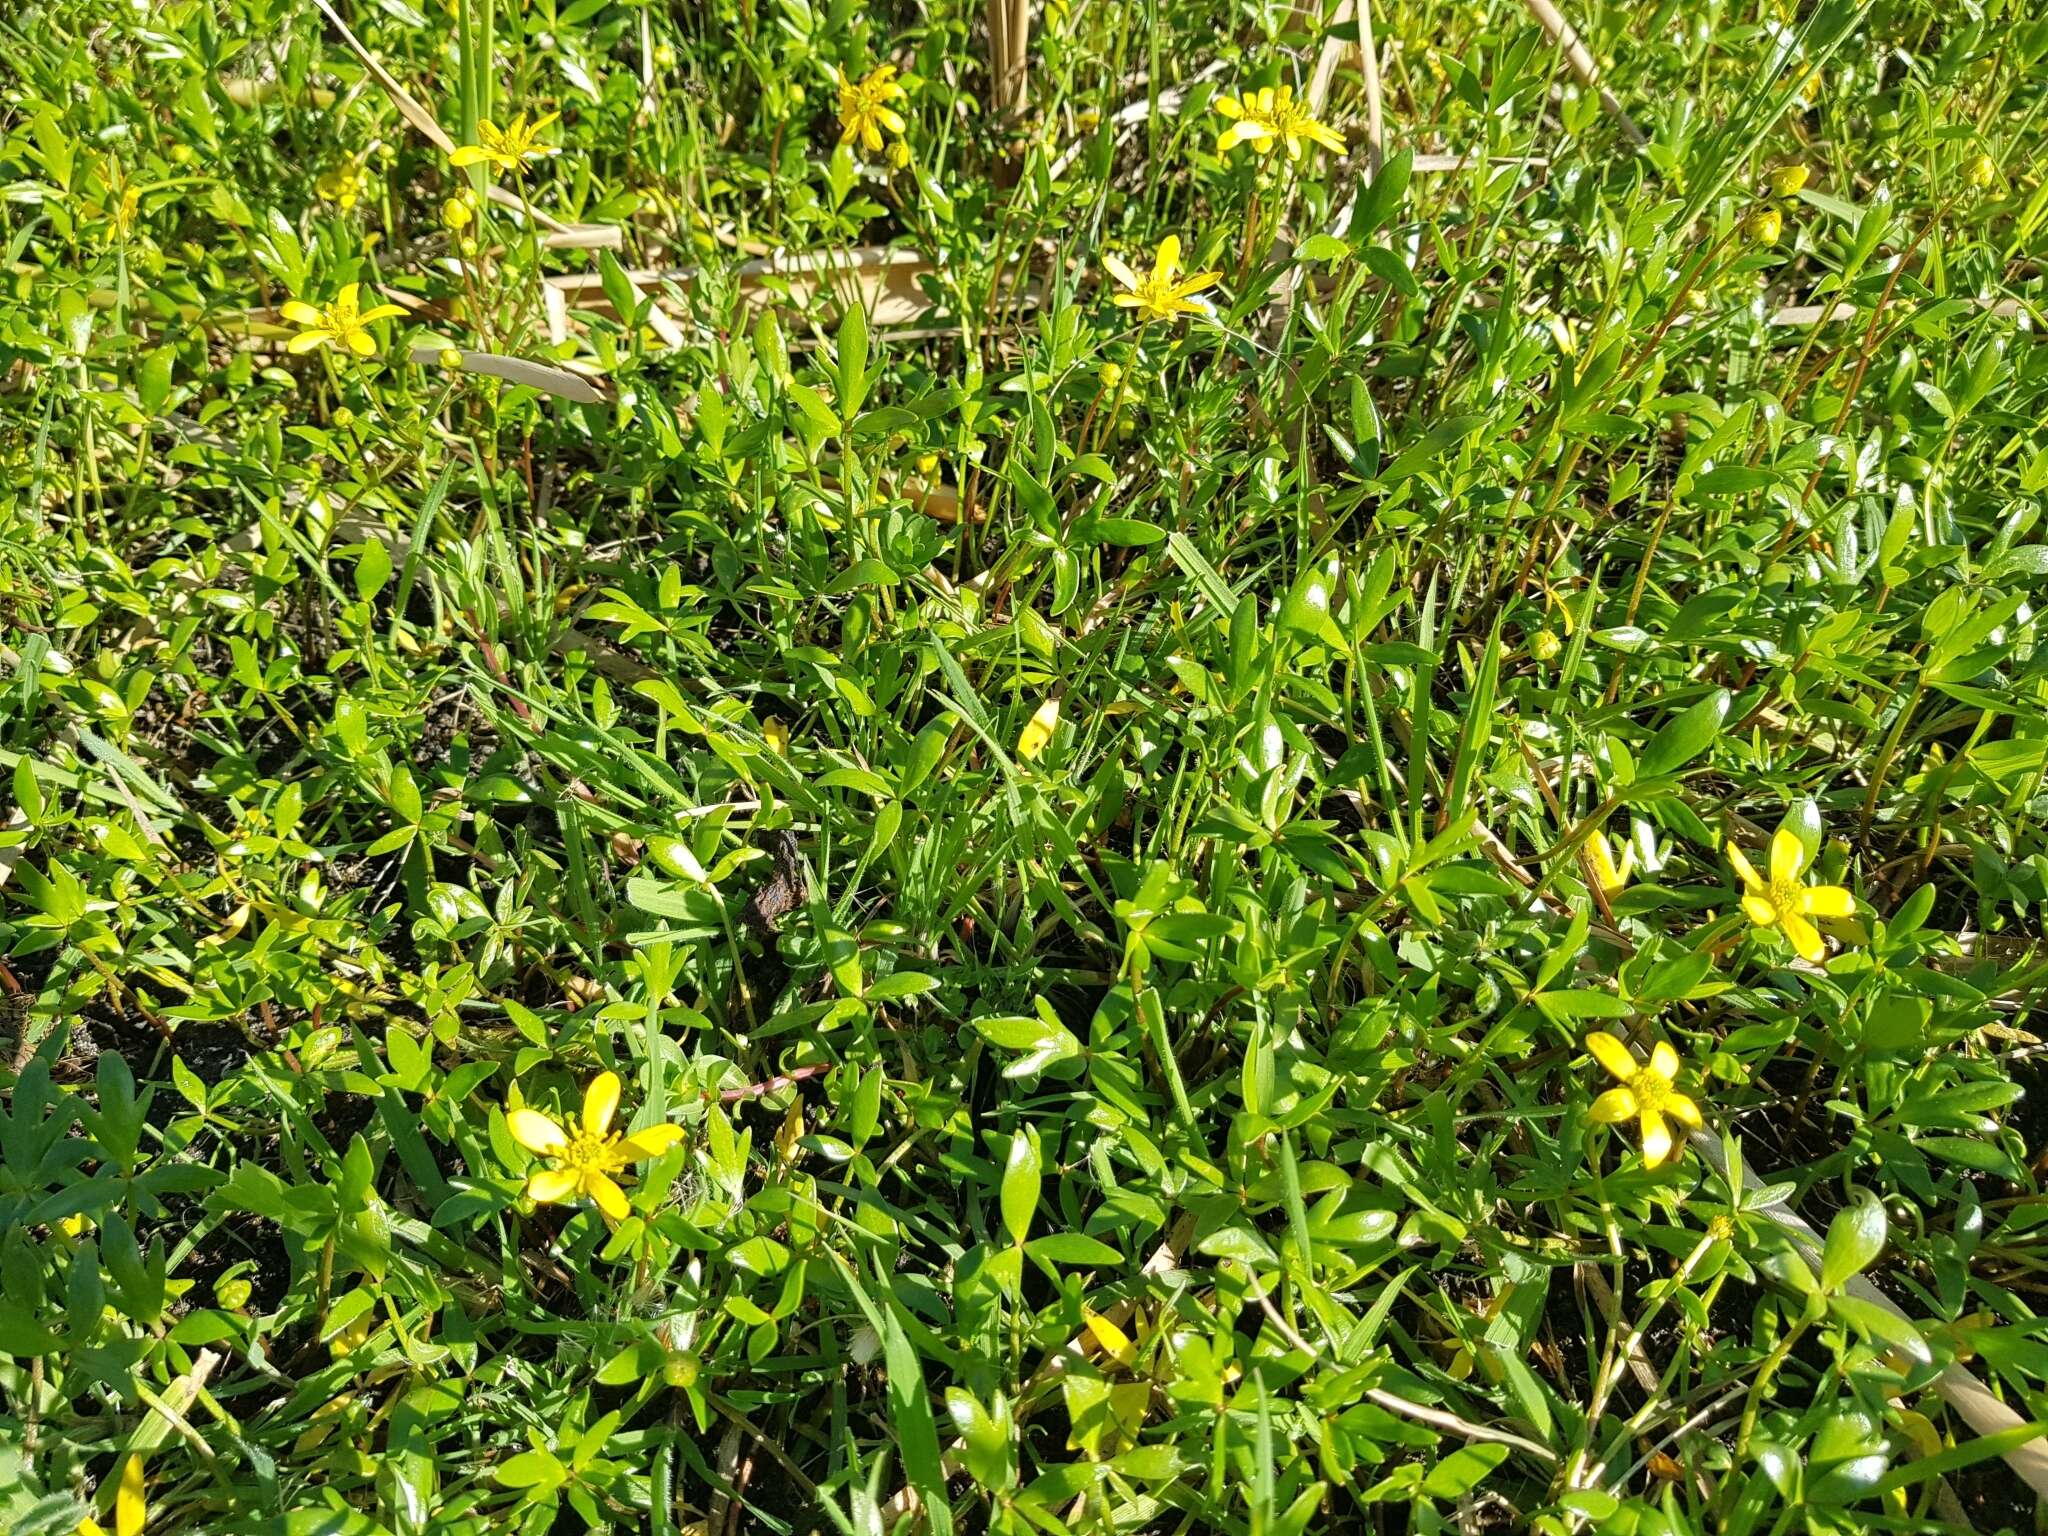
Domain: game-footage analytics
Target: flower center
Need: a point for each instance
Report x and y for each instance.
(586, 1151)
(1651, 1088)
(1784, 897)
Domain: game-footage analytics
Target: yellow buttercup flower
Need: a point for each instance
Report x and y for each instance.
(1645, 1094)
(1159, 295)
(508, 148)
(587, 1155)
(864, 110)
(342, 186)
(1037, 732)
(1786, 180)
(1269, 116)
(342, 323)
(1610, 875)
(1785, 900)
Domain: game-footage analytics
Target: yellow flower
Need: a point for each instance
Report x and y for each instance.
(342, 186)
(509, 148)
(341, 323)
(1785, 900)
(864, 110)
(1763, 226)
(1645, 1094)
(1600, 853)
(588, 1155)
(1159, 295)
(1786, 180)
(1037, 732)
(1270, 116)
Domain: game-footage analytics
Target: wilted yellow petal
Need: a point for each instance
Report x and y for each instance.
(1114, 1341)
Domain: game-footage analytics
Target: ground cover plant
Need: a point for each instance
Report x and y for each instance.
(775, 765)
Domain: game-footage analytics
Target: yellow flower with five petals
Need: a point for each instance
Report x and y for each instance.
(1269, 116)
(588, 1153)
(507, 148)
(343, 323)
(1645, 1095)
(864, 110)
(1785, 900)
(1160, 294)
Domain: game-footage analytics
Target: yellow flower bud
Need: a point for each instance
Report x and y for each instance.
(899, 155)
(450, 359)
(455, 213)
(1111, 375)
(344, 418)
(1981, 171)
(1763, 226)
(1786, 180)
(1545, 645)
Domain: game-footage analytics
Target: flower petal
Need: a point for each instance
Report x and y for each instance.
(1120, 270)
(1126, 299)
(1664, 1060)
(1228, 107)
(468, 154)
(1613, 1107)
(306, 341)
(652, 1142)
(551, 1186)
(1804, 936)
(1788, 855)
(301, 313)
(346, 299)
(1759, 911)
(360, 343)
(1683, 1110)
(600, 1102)
(1167, 262)
(609, 1197)
(1828, 901)
(379, 312)
(1195, 284)
(1656, 1139)
(1745, 870)
(1611, 1054)
(536, 1132)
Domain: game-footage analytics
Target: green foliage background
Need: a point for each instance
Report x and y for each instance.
(1180, 1128)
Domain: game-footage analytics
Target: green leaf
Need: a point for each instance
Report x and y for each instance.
(1463, 1470)
(1684, 738)
(1022, 1174)
(1855, 1239)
